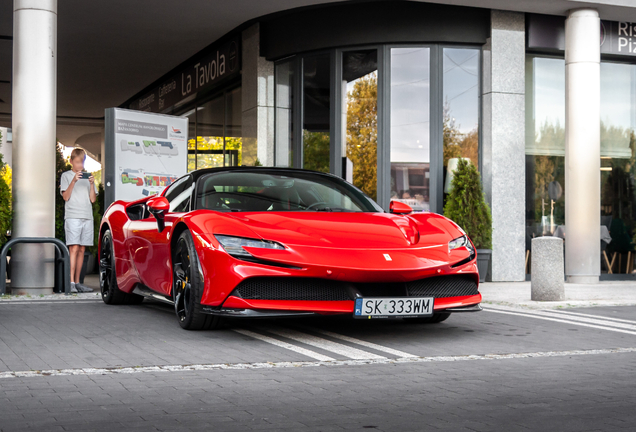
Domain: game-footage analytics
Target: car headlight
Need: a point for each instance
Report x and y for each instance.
(235, 245)
(460, 242)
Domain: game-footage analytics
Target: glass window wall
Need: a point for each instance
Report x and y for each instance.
(545, 146)
(210, 128)
(360, 80)
(430, 117)
(215, 132)
(545, 156)
(316, 111)
(410, 127)
(460, 110)
(618, 162)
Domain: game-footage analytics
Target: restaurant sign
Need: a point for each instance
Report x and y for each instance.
(203, 71)
(547, 32)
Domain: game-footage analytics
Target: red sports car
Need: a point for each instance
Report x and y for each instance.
(270, 242)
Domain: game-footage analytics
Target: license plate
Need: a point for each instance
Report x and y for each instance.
(393, 307)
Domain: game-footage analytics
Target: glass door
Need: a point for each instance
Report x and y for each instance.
(360, 118)
(392, 120)
(316, 112)
(460, 110)
(216, 131)
(410, 146)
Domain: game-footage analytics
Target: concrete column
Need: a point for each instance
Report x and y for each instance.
(503, 144)
(33, 124)
(257, 101)
(582, 146)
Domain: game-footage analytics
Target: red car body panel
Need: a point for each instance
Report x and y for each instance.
(332, 307)
(342, 246)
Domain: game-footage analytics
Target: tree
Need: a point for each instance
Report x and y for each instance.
(98, 212)
(61, 165)
(98, 176)
(451, 136)
(7, 175)
(470, 146)
(316, 151)
(213, 143)
(362, 133)
(467, 207)
(6, 208)
(549, 166)
(456, 143)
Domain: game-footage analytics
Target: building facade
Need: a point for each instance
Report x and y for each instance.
(390, 96)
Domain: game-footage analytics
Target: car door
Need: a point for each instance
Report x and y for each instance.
(149, 248)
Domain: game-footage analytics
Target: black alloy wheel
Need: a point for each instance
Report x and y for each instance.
(111, 294)
(188, 285)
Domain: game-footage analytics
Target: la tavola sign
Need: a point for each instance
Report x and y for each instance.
(218, 64)
(548, 32)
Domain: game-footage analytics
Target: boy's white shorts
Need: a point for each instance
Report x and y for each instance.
(79, 232)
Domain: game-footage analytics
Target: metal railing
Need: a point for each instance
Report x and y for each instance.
(61, 250)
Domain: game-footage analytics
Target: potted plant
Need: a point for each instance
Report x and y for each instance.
(466, 206)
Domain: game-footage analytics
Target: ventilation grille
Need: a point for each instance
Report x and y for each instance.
(287, 288)
(275, 288)
(443, 286)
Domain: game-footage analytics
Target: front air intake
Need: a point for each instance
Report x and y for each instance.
(443, 286)
(280, 288)
(316, 289)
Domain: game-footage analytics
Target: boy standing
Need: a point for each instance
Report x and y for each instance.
(79, 191)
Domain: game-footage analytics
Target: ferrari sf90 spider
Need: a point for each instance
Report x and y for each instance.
(271, 242)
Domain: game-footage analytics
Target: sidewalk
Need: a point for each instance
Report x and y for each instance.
(517, 294)
(91, 281)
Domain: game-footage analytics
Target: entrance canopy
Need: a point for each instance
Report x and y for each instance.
(109, 50)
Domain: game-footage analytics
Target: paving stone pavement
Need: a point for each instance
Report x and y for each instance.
(565, 394)
(548, 375)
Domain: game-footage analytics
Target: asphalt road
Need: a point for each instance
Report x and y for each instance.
(82, 365)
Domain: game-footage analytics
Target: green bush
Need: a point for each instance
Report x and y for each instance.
(98, 212)
(61, 165)
(6, 210)
(466, 206)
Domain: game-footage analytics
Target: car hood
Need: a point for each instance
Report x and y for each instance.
(344, 230)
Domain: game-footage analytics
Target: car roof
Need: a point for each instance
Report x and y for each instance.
(200, 172)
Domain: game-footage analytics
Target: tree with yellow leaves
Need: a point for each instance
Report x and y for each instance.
(362, 133)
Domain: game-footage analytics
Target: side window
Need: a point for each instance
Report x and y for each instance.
(178, 195)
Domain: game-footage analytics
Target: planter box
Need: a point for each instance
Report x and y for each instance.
(483, 264)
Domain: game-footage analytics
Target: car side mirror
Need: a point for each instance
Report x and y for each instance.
(158, 207)
(397, 207)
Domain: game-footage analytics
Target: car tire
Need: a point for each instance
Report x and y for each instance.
(188, 285)
(436, 318)
(111, 294)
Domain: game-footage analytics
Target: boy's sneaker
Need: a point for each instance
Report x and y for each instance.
(83, 288)
(73, 287)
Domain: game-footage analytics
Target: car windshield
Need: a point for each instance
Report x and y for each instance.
(249, 191)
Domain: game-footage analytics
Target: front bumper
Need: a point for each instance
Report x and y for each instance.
(223, 273)
(238, 307)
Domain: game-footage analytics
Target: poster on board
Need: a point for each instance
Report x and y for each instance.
(144, 153)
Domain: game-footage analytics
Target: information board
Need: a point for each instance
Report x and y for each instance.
(144, 153)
